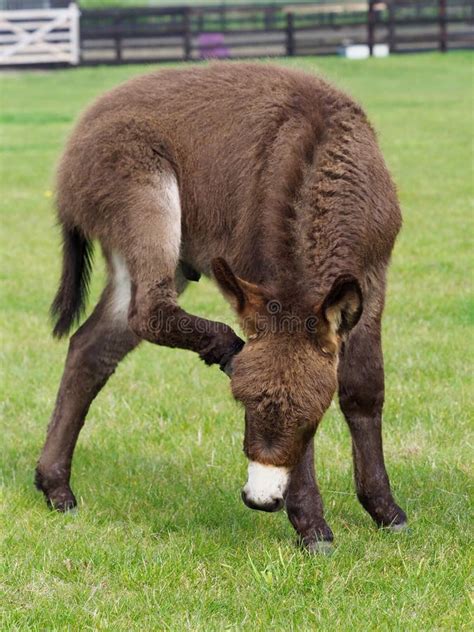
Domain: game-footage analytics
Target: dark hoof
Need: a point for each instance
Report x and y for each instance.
(313, 546)
(398, 527)
(319, 547)
(62, 500)
(318, 542)
(395, 520)
(385, 514)
(58, 498)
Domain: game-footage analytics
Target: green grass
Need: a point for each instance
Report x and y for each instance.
(161, 539)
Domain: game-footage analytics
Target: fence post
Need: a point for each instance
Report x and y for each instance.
(117, 40)
(370, 26)
(75, 34)
(392, 41)
(223, 16)
(290, 35)
(443, 30)
(187, 44)
(267, 20)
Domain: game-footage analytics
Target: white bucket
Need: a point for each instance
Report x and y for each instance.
(361, 51)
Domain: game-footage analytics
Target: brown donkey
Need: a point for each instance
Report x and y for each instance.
(270, 180)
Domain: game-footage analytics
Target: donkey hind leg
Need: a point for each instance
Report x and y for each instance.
(94, 352)
(361, 395)
(305, 508)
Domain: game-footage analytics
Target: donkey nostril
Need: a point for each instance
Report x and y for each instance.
(274, 504)
(277, 504)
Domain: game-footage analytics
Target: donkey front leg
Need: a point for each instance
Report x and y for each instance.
(361, 396)
(94, 352)
(305, 508)
(156, 317)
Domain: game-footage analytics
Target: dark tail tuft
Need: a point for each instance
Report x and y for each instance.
(72, 292)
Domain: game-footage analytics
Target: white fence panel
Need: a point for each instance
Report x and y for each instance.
(39, 36)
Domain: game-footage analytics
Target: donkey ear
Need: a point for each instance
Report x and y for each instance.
(244, 297)
(342, 307)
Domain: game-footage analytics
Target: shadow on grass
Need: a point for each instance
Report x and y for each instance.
(167, 496)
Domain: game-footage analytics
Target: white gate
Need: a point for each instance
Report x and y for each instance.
(39, 36)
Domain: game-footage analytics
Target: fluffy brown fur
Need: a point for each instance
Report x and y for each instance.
(283, 186)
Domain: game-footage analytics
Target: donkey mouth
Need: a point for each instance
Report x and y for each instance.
(275, 504)
(266, 486)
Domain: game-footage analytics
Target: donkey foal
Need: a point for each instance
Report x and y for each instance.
(271, 182)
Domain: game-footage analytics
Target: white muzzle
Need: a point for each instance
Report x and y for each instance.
(266, 486)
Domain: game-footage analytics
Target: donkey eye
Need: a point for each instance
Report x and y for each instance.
(327, 352)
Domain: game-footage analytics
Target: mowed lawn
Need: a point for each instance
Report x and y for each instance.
(162, 540)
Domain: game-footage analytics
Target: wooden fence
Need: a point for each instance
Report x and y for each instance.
(39, 36)
(154, 34)
(191, 33)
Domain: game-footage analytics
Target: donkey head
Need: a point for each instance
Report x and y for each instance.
(285, 375)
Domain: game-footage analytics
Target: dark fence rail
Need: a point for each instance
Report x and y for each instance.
(191, 33)
(154, 34)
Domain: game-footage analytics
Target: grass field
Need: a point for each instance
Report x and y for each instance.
(162, 540)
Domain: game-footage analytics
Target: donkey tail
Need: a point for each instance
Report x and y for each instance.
(69, 301)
